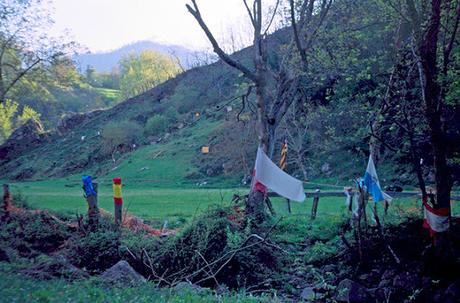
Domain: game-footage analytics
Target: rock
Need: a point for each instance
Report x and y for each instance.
(351, 292)
(57, 267)
(308, 293)
(122, 273)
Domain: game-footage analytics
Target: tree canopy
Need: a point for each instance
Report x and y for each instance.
(139, 73)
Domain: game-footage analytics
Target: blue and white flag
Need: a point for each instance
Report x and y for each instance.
(371, 181)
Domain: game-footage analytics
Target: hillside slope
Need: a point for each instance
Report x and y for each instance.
(76, 146)
(207, 104)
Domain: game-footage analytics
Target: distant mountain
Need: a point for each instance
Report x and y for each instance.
(106, 61)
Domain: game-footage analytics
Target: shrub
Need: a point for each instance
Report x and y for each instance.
(156, 125)
(96, 251)
(216, 240)
(119, 134)
(27, 231)
(171, 115)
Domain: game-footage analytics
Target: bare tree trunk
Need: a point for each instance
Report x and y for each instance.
(433, 106)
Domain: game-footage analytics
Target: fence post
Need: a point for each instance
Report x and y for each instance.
(90, 189)
(6, 201)
(314, 207)
(288, 202)
(118, 201)
(349, 200)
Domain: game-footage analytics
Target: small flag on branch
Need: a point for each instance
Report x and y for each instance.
(267, 174)
(435, 220)
(283, 155)
(371, 181)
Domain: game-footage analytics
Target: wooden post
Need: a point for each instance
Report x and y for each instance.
(6, 201)
(90, 189)
(288, 202)
(365, 201)
(118, 201)
(314, 207)
(349, 199)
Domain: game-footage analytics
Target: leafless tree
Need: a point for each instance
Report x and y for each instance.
(275, 89)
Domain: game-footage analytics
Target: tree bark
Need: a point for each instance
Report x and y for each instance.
(434, 106)
(93, 209)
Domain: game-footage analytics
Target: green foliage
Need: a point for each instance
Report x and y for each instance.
(95, 251)
(139, 73)
(156, 125)
(10, 119)
(8, 110)
(27, 232)
(171, 115)
(214, 239)
(321, 251)
(118, 134)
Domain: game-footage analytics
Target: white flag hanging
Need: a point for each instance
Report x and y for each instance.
(270, 175)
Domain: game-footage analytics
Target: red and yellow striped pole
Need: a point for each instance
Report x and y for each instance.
(283, 167)
(283, 155)
(117, 200)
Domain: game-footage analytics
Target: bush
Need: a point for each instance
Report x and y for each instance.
(27, 232)
(119, 134)
(216, 240)
(171, 115)
(156, 125)
(97, 250)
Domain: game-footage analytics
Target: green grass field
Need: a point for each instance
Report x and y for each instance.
(114, 95)
(177, 205)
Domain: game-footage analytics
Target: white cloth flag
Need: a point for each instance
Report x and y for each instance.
(270, 175)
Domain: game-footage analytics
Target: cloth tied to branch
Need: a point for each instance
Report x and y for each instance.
(268, 175)
(435, 220)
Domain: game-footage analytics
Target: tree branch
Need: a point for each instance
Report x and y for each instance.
(18, 77)
(217, 49)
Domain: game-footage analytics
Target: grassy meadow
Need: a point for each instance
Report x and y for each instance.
(177, 205)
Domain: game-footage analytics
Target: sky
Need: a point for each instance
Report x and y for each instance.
(102, 25)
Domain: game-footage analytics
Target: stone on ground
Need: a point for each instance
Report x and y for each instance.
(122, 273)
